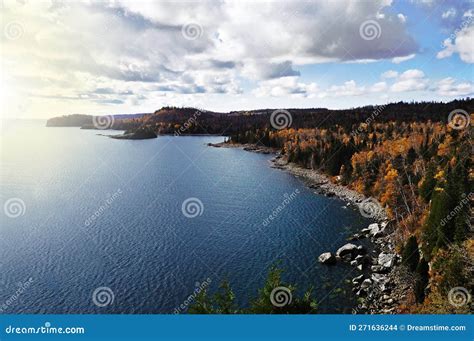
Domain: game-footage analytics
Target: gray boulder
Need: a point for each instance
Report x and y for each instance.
(357, 279)
(348, 249)
(373, 228)
(367, 283)
(327, 258)
(386, 259)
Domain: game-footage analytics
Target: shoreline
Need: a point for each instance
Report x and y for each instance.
(379, 285)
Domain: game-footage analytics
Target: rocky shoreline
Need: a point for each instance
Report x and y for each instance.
(379, 287)
(376, 285)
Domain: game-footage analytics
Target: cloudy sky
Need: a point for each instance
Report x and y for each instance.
(127, 56)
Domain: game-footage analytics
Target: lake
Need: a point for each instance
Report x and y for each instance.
(89, 211)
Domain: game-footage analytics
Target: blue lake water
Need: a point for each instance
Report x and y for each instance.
(139, 243)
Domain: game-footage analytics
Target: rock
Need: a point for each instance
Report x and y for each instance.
(354, 263)
(386, 259)
(327, 258)
(379, 278)
(378, 234)
(361, 250)
(378, 269)
(362, 259)
(348, 249)
(367, 283)
(359, 267)
(357, 236)
(357, 279)
(373, 228)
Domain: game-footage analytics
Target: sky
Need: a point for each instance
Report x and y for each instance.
(125, 56)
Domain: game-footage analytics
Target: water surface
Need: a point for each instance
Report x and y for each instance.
(140, 244)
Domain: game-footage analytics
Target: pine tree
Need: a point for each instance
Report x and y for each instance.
(429, 183)
(422, 271)
(411, 254)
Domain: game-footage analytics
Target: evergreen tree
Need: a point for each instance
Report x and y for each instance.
(436, 226)
(264, 302)
(411, 254)
(429, 183)
(422, 271)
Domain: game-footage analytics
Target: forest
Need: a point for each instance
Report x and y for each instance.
(420, 171)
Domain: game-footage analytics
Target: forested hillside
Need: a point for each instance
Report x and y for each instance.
(419, 171)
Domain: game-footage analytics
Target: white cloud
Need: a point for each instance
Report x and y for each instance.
(285, 86)
(398, 60)
(379, 87)
(349, 88)
(390, 74)
(462, 44)
(448, 87)
(410, 80)
(449, 14)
